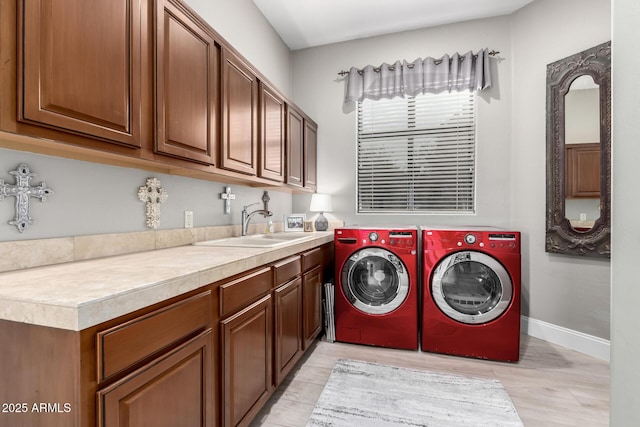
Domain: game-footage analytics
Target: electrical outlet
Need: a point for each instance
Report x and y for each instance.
(188, 219)
(583, 217)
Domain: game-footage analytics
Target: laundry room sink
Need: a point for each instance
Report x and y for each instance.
(258, 240)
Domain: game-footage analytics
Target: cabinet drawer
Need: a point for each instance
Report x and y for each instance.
(311, 259)
(240, 292)
(124, 345)
(286, 270)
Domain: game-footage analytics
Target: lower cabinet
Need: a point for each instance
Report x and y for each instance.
(207, 358)
(246, 362)
(312, 305)
(171, 391)
(288, 334)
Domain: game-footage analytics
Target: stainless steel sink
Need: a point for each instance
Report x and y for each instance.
(258, 240)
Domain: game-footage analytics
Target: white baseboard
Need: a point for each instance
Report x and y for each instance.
(578, 341)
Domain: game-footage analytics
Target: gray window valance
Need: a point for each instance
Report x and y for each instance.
(449, 73)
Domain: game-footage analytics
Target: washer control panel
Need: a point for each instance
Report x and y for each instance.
(489, 240)
(400, 239)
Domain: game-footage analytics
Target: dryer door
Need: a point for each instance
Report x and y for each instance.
(375, 280)
(471, 287)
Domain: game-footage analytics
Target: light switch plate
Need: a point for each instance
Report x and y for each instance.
(188, 219)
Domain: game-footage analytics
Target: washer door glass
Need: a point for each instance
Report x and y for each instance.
(375, 280)
(471, 287)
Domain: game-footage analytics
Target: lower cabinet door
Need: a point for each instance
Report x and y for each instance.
(312, 305)
(288, 343)
(174, 390)
(247, 339)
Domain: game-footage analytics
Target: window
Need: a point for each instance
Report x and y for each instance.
(417, 154)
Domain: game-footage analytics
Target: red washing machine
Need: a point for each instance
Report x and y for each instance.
(471, 293)
(376, 292)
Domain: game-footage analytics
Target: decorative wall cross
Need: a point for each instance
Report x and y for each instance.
(227, 197)
(23, 192)
(152, 195)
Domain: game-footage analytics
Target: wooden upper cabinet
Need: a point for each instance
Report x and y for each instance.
(310, 154)
(295, 149)
(583, 170)
(272, 134)
(187, 59)
(80, 67)
(302, 141)
(146, 80)
(239, 148)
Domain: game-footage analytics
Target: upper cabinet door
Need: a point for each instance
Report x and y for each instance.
(187, 60)
(272, 110)
(80, 67)
(310, 154)
(239, 116)
(295, 136)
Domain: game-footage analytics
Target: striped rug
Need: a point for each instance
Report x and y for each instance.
(369, 394)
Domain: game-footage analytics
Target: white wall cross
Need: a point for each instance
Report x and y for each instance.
(23, 192)
(152, 195)
(227, 197)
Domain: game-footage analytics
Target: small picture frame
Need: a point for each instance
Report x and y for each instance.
(294, 222)
(308, 226)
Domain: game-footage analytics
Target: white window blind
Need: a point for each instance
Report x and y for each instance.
(417, 154)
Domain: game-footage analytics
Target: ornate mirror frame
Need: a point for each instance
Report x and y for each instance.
(561, 237)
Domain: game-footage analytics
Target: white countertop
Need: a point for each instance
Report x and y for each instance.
(79, 295)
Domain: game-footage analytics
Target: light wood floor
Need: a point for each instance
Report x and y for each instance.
(550, 386)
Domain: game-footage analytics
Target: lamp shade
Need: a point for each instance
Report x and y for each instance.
(320, 203)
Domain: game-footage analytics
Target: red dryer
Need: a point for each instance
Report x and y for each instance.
(376, 292)
(471, 293)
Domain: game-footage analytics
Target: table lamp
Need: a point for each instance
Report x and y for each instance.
(321, 203)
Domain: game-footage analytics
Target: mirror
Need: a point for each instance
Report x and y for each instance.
(582, 153)
(579, 154)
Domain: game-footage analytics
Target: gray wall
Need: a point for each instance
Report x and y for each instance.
(625, 338)
(319, 91)
(242, 24)
(98, 199)
(567, 291)
(510, 142)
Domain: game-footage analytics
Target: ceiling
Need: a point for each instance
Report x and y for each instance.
(308, 23)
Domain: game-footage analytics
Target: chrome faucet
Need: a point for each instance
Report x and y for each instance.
(246, 216)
